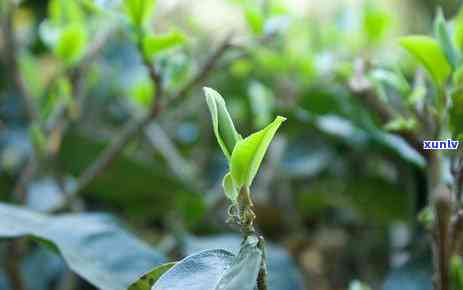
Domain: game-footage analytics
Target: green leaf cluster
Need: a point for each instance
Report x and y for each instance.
(244, 155)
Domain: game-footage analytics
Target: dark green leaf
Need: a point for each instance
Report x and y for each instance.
(85, 242)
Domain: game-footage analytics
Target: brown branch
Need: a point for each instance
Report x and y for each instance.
(134, 127)
(12, 61)
(13, 267)
(441, 244)
(202, 73)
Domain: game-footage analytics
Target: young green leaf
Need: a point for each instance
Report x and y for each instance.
(375, 24)
(255, 20)
(249, 152)
(443, 37)
(428, 52)
(147, 281)
(72, 43)
(224, 130)
(229, 187)
(139, 11)
(458, 31)
(154, 44)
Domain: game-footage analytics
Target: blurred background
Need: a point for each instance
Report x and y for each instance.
(338, 195)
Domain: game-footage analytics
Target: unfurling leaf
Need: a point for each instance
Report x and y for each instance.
(224, 130)
(229, 187)
(139, 11)
(154, 44)
(147, 280)
(428, 52)
(71, 43)
(249, 152)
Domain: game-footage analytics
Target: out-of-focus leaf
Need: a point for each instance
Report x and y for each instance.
(83, 240)
(154, 44)
(401, 124)
(147, 281)
(242, 273)
(458, 31)
(249, 153)
(428, 52)
(143, 93)
(283, 273)
(200, 271)
(371, 197)
(62, 12)
(443, 36)
(306, 159)
(147, 191)
(255, 19)
(341, 128)
(224, 130)
(398, 145)
(139, 11)
(71, 43)
(357, 285)
(393, 79)
(261, 103)
(414, 275)
(375, 24)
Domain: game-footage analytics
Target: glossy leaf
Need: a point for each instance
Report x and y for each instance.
(229, 187)
(428, 52)
(154, 44)
(147, 281)
(249, 153)
(200, 271)
(222, 124)
(93, 245)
